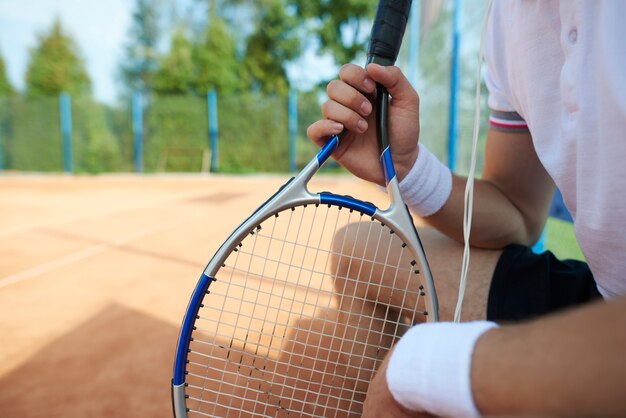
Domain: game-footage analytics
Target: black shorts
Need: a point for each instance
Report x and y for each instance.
(526, 285)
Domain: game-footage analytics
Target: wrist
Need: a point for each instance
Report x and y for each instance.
(429, 369)
(428, 184)
(405, 162)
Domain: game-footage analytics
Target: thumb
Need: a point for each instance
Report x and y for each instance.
(394, 81)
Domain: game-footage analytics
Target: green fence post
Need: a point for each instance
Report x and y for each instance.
(213, 129)
(65, 106)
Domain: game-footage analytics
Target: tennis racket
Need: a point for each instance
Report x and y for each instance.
(299, 306)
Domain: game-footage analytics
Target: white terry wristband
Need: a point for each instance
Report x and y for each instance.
(427, 186)
(429, 369)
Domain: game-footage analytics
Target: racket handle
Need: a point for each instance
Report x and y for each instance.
(387, 31)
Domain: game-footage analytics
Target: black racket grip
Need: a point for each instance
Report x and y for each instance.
(388, 30)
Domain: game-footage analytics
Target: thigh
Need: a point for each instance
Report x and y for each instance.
(374, 281)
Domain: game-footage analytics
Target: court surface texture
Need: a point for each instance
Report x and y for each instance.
(95, 275)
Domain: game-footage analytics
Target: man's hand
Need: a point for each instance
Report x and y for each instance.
(379, 402)
(349, 107)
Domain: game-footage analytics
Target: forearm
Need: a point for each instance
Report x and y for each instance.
(496, 221)
(572, 364)
(511, 200)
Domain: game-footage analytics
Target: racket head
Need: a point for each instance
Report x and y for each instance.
(278, 323)
(283, 322)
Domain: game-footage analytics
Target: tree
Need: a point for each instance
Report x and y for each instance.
(342, 27)
(5, 86)
(141, 62)
(266, 37)
(56, 66)
(217, 65)
(176, 72)
(272, 45)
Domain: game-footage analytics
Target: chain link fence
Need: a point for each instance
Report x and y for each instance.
(253, 134)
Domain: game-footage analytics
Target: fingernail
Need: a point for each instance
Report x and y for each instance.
(361, 125)
(369, 84)
(336, 127)
(366, 108)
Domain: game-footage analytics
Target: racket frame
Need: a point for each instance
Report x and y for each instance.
(295, 193)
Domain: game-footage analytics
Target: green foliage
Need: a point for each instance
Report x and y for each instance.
(272, 45)
(434, 85)
(253, 131)
(217, 65)
(434, 88)
(5, 106)
(561, 240)
(55, 66)
(176, 125)
(245, 60)
(141, 61)
(96, 149)
(34, 143)
(32, 137)
(5, 86)
(176, 72)
(119, 123)
(309, 111)
(341, 26)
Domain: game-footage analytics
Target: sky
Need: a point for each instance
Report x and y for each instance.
(100, 29)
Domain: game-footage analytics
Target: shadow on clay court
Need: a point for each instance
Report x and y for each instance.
(116, 364)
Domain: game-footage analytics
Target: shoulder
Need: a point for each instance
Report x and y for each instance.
(522, 47)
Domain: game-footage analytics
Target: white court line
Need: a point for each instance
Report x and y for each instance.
(155, 202)
(83, 254)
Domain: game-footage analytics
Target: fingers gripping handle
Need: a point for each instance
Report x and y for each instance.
(385, 41)
(387, 31)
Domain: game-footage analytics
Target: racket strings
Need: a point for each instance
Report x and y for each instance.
(316, 251)
(286, 328)
(388, 306)
(271, 349)
(246, 269)
(286, 283)
(336, 274)
(207, 369)
(242, 352)
(377, 342)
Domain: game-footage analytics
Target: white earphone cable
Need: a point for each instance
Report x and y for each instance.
(469, 186)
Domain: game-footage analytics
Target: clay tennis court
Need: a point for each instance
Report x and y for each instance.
(95, 275)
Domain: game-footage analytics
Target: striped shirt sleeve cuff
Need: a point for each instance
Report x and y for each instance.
(510, 122)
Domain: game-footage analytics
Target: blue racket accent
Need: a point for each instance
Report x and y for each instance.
(327, 150)
(387, 163)
(348, 202)
(187, 328)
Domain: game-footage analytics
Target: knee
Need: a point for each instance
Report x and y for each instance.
(349, 265)
(340, 259)
(347, 260)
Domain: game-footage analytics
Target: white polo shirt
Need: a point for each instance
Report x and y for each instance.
(557, 69)
(561, 65)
